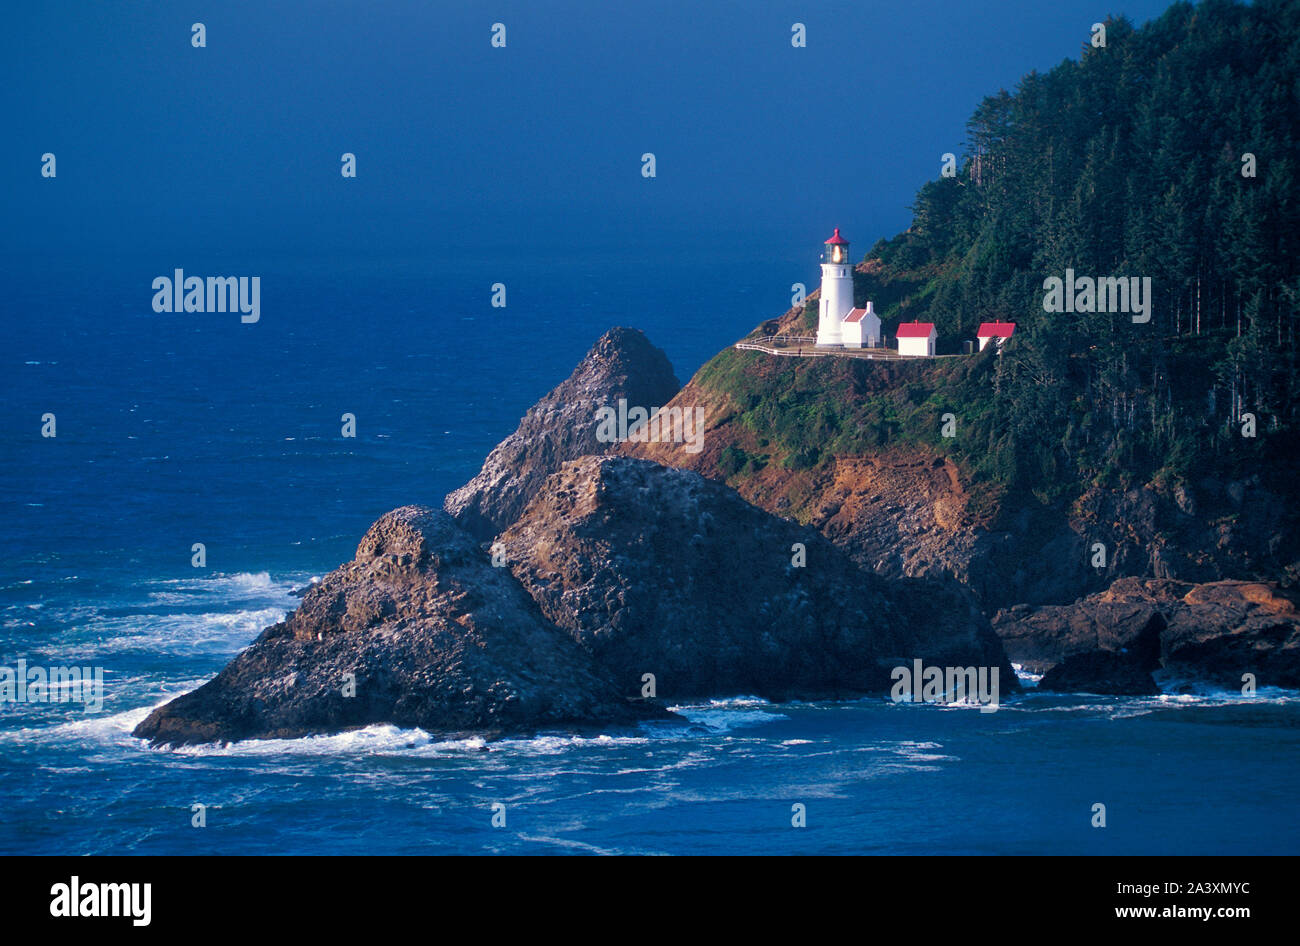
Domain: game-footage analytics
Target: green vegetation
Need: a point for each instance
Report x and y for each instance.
(1127, 162)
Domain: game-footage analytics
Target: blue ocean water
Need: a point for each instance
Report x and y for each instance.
(174, 429)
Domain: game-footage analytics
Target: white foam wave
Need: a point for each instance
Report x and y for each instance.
(183, 634)
(1025, 677)
(723, 715)
(101, 728)
(1127, 707)
(384, 739)
(222, 584)
(218, 614)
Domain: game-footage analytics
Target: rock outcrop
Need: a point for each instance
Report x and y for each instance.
(1128, 617)
(623, 364)
(1214, 632)
(661, 571)
(426, 632)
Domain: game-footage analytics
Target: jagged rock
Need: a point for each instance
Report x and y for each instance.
(658, 570)
(1039, 638)
(562, 426)
(435, 636)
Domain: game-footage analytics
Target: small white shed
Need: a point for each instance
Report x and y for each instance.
(917, 339)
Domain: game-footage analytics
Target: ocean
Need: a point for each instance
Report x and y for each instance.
(174, 429)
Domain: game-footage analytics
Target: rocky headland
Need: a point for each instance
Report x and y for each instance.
(576, 585)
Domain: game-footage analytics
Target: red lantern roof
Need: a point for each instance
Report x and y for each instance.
(837, 238)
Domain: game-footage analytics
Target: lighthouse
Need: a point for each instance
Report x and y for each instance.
(837, 291)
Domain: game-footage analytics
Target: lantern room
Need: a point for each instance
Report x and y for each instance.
(837, 249)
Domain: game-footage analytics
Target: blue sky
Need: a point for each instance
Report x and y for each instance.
(462, 147)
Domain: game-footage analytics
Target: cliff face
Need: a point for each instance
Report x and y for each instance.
(852, 448)
(661, 571)
(561, 426)
(425, 632)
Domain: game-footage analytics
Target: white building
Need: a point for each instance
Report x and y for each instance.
(991, 330)
(917, 339)
(837, 291)
(861, 328)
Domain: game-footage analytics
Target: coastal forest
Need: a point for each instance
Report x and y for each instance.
(1168, 153)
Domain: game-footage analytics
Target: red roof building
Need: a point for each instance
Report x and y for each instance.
(990, 330)
(915, 330)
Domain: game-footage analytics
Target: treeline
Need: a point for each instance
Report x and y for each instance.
(1169, 153)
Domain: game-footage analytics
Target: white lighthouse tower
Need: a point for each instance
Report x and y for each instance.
(837, 290)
